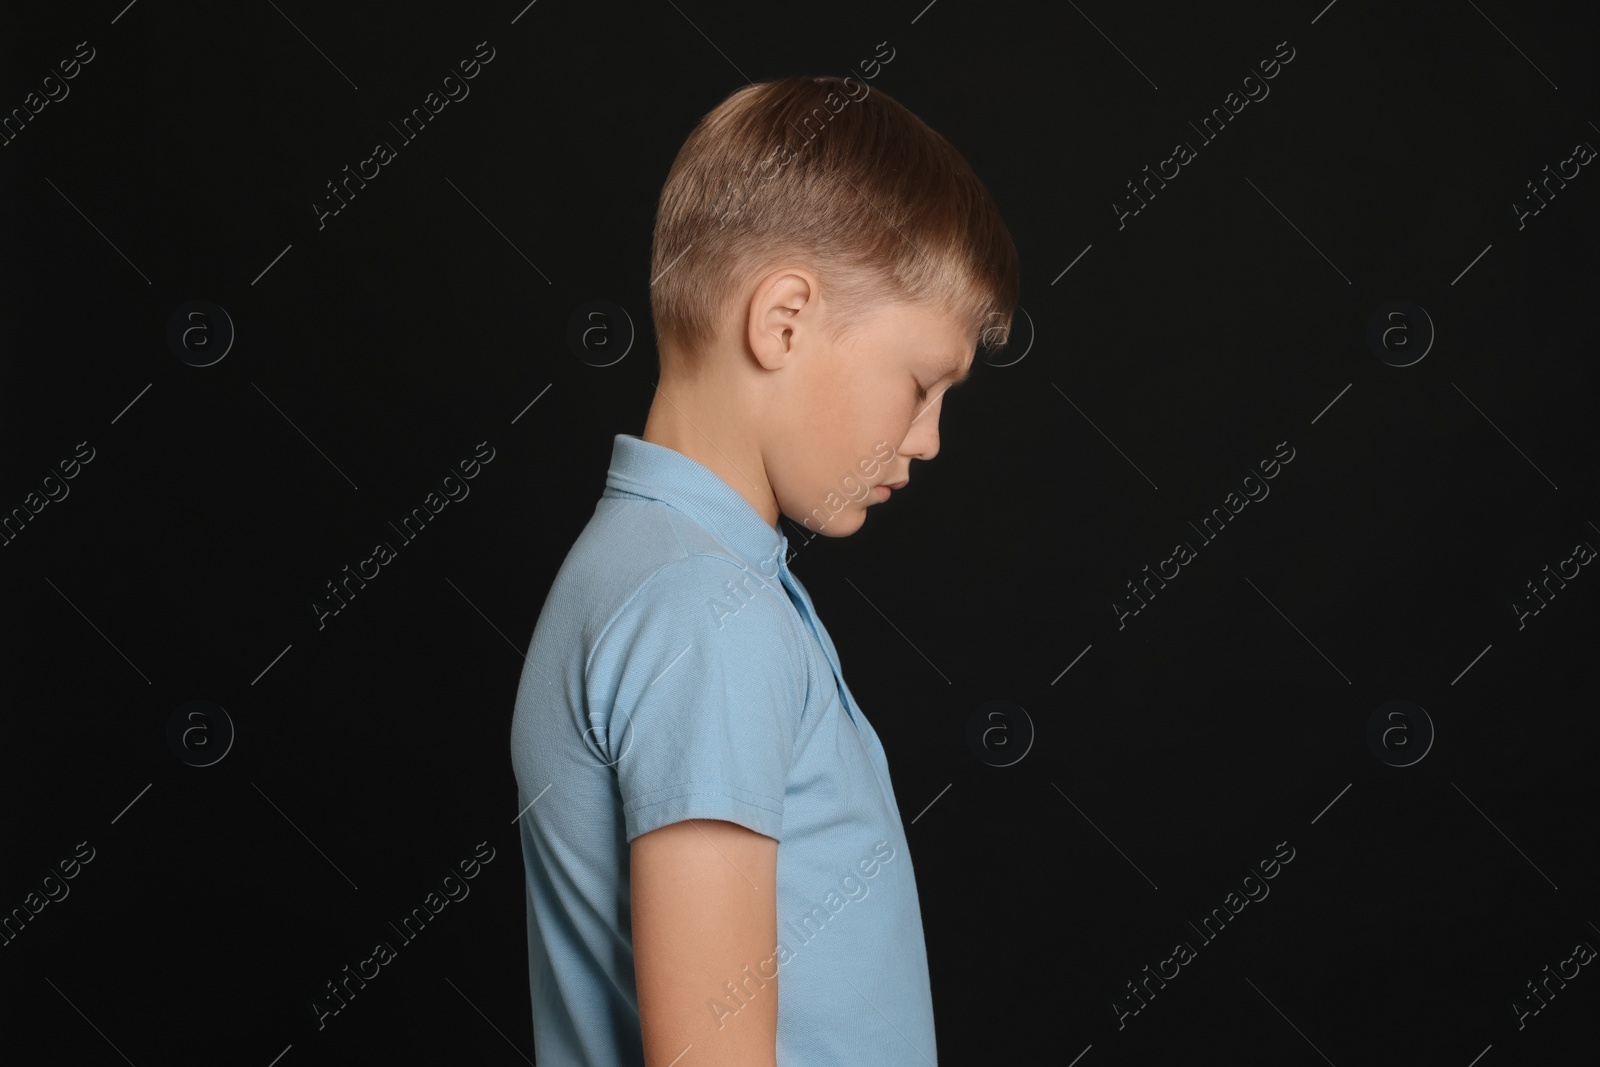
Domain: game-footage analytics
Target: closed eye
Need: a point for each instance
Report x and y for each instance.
(922, 394)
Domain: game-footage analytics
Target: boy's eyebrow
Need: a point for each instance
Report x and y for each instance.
(966, 374)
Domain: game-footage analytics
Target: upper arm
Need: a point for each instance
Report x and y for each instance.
(704, 899)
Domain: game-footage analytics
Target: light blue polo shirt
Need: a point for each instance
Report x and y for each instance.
(678, 671)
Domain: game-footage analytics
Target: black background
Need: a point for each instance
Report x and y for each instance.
(1229, 715)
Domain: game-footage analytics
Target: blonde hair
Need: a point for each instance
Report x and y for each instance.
(877, 202)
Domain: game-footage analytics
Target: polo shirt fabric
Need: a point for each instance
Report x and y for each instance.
(678, 671)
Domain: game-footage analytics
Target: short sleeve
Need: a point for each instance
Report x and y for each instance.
(704, 714)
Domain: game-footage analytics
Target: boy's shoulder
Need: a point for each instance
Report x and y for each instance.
(635, 555)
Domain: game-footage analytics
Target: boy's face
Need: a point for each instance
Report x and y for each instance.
(855, 414)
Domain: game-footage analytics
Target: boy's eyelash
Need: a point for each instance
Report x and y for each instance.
(922, 394)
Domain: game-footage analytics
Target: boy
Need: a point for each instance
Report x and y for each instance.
(707, 815)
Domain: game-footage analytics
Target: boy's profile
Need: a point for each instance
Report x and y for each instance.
(717, 873)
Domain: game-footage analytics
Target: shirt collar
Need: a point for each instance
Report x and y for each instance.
(660, 473)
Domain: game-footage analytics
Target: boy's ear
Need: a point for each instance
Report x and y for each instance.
(783, 312)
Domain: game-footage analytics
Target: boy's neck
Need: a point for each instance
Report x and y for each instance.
(673, 423)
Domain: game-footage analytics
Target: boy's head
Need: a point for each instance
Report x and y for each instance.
(824, 267)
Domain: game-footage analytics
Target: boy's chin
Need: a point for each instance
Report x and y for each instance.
(846, 522)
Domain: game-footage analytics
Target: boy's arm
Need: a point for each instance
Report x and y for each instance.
(704, 895)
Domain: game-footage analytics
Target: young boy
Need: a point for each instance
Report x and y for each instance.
(707, 814)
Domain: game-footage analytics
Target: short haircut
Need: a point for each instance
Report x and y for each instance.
(848, 180)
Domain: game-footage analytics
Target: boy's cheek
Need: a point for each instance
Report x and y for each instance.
(856, 490)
